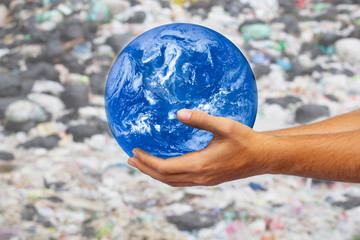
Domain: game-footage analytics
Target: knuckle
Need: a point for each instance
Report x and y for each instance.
(199, 168)
(203, 119)
(203, 167)
(162, 178)
(202, 180)
(228, 127)
(162, 171)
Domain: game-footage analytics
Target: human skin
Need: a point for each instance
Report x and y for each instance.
(327, 150)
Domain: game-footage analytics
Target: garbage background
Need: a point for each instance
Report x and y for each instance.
(62, 176)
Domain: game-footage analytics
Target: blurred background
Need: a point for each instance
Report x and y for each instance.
(62, 175)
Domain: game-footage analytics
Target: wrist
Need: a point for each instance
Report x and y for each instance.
(266, 153)
(277, 155)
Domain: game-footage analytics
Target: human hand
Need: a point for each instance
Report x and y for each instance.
(236, 151)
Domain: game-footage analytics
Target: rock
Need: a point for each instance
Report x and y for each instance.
(48, 142)
(310, 112)
(285, 101)
(76, 96)
(10, 85)
(39, 71)
(193, 221)
(118, 41)
(348, 49)
(81, 132)
(6, 156)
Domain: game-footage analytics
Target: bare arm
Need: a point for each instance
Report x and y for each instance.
(333, 157)
(342, 123)
(237, 151)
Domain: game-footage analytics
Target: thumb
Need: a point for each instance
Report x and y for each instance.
(202, 120)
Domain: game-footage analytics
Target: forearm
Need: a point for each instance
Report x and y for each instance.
(342, 123)
(328, 156)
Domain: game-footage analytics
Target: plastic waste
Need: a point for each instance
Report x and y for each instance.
(256, 32)
(99, 12)
(311, 112)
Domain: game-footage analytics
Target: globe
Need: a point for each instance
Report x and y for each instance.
(169, 68)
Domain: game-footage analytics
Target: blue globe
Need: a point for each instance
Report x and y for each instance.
(169, 68)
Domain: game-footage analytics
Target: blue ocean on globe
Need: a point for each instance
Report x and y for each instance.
(169, 68)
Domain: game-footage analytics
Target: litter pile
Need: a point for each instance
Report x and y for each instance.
(62, 176)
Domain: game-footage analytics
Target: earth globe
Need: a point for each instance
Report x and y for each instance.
(169, 68)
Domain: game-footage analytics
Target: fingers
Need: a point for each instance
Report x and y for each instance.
(173, 180)
(181, 164)
(201, 120)
(178, 179)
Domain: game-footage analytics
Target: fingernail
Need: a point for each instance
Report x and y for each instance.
(132, 164)
(184, 114)
(134, 151)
